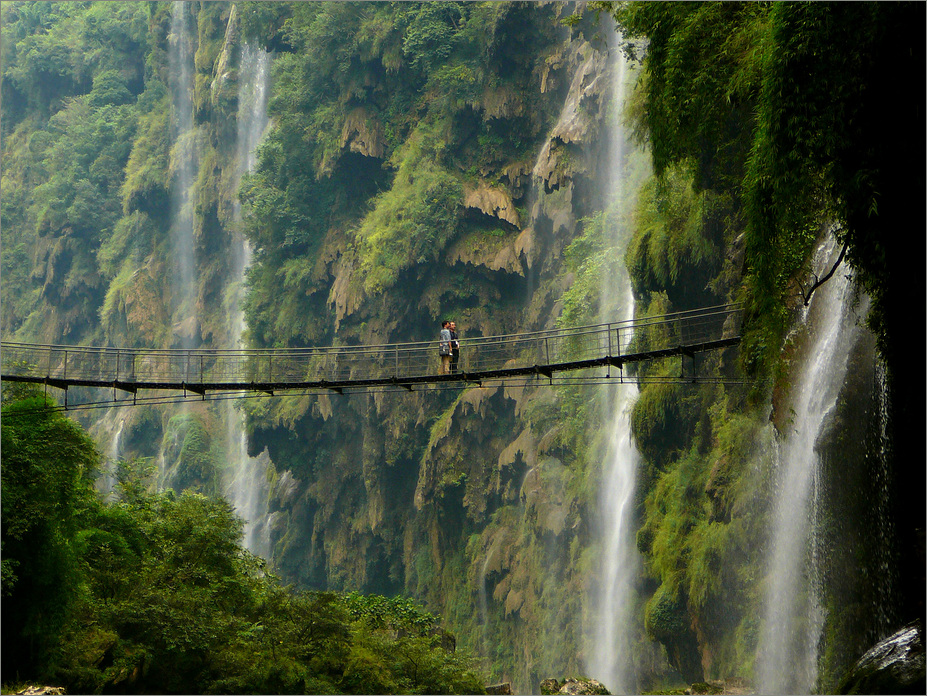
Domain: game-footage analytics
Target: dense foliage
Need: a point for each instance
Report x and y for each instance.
(71, 77)
(154, 592)
(432, 160)
(758, 101)
(769, 125)
(383, 114)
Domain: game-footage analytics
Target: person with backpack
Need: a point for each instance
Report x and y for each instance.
(444, 348)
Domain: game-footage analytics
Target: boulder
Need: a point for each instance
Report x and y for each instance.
(505, 688)
(571, 685)
(894, 665)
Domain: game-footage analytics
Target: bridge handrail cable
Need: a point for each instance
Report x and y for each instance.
(643, 322)
(60, 363)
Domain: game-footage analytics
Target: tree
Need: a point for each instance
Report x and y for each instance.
(47, 467)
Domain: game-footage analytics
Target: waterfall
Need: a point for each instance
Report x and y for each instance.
(107, 480)
(183, 165)
(610, 655)
(247, 487)
(793, 618)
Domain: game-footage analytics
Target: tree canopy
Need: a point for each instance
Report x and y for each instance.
(154, 591)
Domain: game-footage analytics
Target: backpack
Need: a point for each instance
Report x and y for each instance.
(444, 348)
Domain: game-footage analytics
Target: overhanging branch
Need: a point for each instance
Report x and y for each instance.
(818, 282)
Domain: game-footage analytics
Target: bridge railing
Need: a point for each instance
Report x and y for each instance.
(195, 367)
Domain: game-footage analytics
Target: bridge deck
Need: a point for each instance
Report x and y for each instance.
(341, 367)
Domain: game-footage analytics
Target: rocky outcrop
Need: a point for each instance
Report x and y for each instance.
(491, 201)
(362, 133)
(571, 685)
(579, 120)
(226, 60)
(894, 665)
(495, 253)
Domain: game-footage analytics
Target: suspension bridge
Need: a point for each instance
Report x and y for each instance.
(351, 368)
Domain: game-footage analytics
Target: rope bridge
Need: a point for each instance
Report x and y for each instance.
(405, 365)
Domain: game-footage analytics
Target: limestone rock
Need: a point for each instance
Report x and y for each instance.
(505, 688)
(345, 296)
(577, 119)
(894, 665)
(226, 57)
(491, 201)
(572, 685)
(479, 249)
(362, 133)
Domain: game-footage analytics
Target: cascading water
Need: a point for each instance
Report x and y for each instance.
(107, 480)
(787, 661)
(183, 165)
(247, 485)
(609, 659)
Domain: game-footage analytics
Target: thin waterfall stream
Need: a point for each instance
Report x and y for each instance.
(247, 485)
(184, 165)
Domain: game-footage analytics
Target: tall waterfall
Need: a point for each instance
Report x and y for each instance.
(793, 618)
(247, 476)
(610, 659)
(183, 166)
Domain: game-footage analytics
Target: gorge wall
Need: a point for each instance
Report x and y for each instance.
(422, 162)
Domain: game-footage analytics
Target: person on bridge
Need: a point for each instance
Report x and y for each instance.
(444, 347)
(455, 346)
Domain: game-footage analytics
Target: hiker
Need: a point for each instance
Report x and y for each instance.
(455, 346)
(444, 347)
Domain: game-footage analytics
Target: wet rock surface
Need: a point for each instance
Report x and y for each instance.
(722, 687)
(894, 665)
(571, 685)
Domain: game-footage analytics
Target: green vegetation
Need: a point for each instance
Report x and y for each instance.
(768, 125)
(71, 76)
(764, 136)
(379, 110)
(153, 591)
(755, 101)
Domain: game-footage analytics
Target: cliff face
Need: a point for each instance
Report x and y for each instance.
(424, 161)
(475, 501)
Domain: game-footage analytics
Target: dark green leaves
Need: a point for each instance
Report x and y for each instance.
(153, 592)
